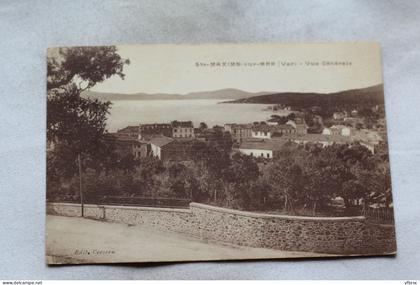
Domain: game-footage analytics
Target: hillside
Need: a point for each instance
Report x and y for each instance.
(223, 94)
(343, 100)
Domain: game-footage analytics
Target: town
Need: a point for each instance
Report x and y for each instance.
(294, 162)
(171, 141)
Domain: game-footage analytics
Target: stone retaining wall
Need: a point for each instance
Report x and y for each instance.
(350, 235)
(341, 235)
(168, 219)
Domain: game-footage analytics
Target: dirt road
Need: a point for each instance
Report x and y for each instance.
(78, 240)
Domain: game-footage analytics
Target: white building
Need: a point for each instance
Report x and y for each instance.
(337, 130)
(157, 145)
(368, 138)
(269, 131)
(299, 125)
(261, 148)
(239, 132)
(261, 134)
(339, 115)
(182, 129)
(322, 139)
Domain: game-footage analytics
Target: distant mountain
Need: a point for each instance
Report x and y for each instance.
(342, 100)
(223, 94)
(230, 93)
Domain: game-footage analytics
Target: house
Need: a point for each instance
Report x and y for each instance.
(368, 138)
(141, 149)
(339, 115)
(299, 125)
(368, 135)
(283, 129)
(353, 121)
(340, 130)
(218, 128)
(239, 132)
(301, 129)
(261, 131)
(260, 147)
(125, 146)
(170, 149)
(370, 146)
(182, 149)
(328, 132)
(324, 140)
(264, 131)
(159, 145)
(148, 131)
(272, 122)
(129, 132)
(182, 129)
(343, 130)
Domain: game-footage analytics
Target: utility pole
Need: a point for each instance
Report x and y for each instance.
(215, 195)
(191, 194)
(80, 184)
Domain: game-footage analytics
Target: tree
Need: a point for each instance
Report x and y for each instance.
(177, 176)
(203, 126)
(242, 169)
(324, 177)
(220, 140)
(76, 122)
(145, 176)
(286, 180)
(291, 116)
(279, 119)
(85, 66)
(76, 125)
(72, 118)
(237, 179)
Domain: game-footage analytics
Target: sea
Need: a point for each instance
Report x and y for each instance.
(134, 112)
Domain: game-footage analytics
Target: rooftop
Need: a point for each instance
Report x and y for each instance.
(271, 128)
(239, 126)
(129, 129)
(161, 141)
(154, 126)
(339, 127)
(262, 144)
(118, 136)
(322, 138)
(368, 136)
(182, 124)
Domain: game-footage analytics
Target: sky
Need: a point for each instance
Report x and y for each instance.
(181, 69)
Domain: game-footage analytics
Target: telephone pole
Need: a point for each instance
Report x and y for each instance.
(80, 183)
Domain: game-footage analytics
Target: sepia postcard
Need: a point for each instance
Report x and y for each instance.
(161, 153)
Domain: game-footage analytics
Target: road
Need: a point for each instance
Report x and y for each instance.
(78, 240)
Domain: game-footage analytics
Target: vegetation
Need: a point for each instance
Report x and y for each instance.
(76, 125)
(299, 180)
(323, 105)
(308, 180)
(282, 119)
